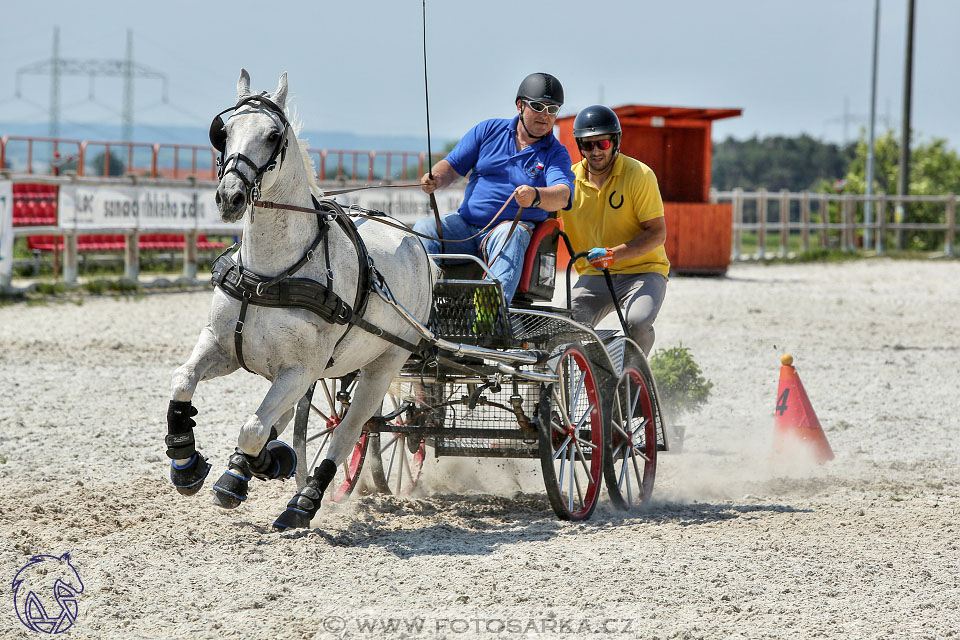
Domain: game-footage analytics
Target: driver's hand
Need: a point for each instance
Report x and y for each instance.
(428, 183)
(525, 195)
(600, 258)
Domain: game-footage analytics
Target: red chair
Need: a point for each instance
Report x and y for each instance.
(44, 243)
(19, 212)
(538, 280)
(47, 212)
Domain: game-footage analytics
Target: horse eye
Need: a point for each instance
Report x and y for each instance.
(274, 136)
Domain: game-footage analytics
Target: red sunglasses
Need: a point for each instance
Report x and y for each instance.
(588, 145)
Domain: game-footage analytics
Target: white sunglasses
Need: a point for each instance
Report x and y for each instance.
(552, 109)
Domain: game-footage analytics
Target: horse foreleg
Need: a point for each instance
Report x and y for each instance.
(188, 468)
(374, 382)
(260, 453)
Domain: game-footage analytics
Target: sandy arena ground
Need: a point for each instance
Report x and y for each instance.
(865, 546)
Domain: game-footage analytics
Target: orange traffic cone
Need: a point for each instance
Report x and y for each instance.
(795, 423)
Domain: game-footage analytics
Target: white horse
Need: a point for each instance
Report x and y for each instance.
(291, 347)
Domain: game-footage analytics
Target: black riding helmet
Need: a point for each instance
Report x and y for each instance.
(541, 87)
(597, 120)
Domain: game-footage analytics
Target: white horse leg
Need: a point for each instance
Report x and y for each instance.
(188, 468)
(260, 453)
(374, 382)
(285, 419)
(207, 361)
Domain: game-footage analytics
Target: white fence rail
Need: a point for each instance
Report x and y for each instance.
(847, 222)
(134, 206)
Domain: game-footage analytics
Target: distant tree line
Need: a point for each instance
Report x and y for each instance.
(803, 163)
(798, 164)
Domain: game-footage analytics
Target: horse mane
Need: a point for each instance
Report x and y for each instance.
(293, 117)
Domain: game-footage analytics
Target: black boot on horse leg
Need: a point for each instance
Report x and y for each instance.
(187, 475)
(275, 460)
(304, 505)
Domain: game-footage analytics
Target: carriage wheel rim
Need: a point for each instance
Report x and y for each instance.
(400, 469)
(350, 469)
(576, 460)
(631, 466)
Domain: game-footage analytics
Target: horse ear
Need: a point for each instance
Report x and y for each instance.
(65, 556)
(280, 95)
(243, 85)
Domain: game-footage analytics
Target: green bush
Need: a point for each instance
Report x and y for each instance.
(680, 381)
(50, 288)
(97, 286)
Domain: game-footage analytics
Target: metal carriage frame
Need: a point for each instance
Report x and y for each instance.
(519, 382)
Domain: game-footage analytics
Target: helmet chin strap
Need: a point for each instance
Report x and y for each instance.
(524, 124)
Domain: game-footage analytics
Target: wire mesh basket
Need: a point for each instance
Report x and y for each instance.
(471, 312)
(472, 418)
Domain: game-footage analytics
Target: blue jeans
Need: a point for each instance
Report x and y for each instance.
(508, 266)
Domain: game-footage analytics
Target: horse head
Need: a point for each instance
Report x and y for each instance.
(252, 144)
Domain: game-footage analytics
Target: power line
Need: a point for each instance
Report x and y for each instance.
(127, 68)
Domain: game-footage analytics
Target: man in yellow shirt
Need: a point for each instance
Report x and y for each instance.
(617, 215)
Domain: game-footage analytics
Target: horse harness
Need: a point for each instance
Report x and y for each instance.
(218, 138)
(286, 291)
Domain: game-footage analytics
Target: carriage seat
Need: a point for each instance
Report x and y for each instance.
(538, 279)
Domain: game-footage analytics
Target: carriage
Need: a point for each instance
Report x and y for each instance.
(331, 330)
(524, 381)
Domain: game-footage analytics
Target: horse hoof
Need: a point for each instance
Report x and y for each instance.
(230, 490)
(225, 500)
(292, 518)
(188, 479)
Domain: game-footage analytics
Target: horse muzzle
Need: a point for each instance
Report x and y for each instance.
(231, 198)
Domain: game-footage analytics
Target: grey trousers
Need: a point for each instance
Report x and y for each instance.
(639, 294)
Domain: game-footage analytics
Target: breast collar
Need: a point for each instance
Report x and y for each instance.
(286, 291)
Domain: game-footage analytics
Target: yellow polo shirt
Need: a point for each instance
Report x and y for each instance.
(612, 215)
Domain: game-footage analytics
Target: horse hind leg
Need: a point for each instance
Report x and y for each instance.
(374, 382)
(274, 459)
(188, 467)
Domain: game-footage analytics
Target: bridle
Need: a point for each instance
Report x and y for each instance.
(231, 164)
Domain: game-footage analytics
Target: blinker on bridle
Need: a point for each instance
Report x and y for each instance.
(218, 138)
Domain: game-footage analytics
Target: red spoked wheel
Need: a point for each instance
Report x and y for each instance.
(327, 412)
(572, 437)
(630, 459)
(397, 467)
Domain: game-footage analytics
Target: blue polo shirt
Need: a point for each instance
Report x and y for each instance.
(488, 152)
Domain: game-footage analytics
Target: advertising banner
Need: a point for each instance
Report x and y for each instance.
(6, 233)
(408, 205)
(84, 207)
(139, 207)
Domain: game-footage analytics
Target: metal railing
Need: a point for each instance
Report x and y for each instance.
(46, 156)
(829, 220)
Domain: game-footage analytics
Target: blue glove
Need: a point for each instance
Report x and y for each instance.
(600, 258)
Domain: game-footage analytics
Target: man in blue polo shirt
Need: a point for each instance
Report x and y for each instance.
(518, 157)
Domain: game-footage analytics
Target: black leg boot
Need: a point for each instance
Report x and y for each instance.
(304, 505)
(187, 478)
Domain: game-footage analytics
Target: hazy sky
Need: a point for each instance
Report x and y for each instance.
(793, 67)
